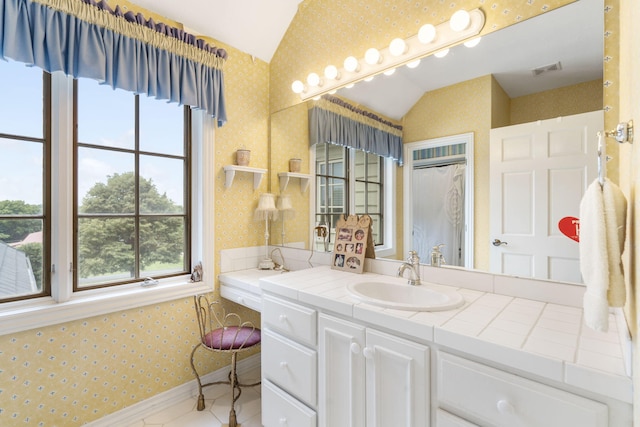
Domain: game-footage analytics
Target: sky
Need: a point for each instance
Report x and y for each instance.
(106, 118)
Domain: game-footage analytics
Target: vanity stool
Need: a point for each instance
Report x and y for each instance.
(226, 333)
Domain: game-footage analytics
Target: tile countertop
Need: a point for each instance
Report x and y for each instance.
(545, 339)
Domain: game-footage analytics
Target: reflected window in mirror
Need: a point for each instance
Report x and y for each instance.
(350, 181)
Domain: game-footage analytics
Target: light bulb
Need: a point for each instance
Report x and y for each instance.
(460, 20)
(372, 56)
(331, 72)
(397, 47)
(368, 79)
(413, 64)
(390, 72)
(313, 79)
(427, 33)
(441, 53)
(473, 42)
(297, 86)
(351, 64)
(349, 86)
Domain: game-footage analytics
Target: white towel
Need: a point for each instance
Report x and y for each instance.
(602, 219)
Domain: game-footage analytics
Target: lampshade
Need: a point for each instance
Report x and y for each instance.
(266, 207)
(284, 206)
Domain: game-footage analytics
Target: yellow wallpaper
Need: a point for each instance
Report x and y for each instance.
(580, 98)
(290, 139)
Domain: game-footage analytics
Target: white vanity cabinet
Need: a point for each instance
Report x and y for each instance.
(289, 364)
(494, 397)
(370, 378)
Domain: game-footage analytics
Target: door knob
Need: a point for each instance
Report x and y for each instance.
(498, 242)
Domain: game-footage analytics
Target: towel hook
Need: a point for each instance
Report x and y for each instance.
(622, 133)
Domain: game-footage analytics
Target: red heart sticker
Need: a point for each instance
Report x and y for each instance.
(570, 227)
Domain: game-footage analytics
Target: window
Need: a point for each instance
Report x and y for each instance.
(352, 181)
(24, 205)
(99, 189)
(132, 187)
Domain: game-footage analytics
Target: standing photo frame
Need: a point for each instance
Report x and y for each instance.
(354, 243)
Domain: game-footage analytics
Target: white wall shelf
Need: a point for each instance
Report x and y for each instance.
(230, 172)
(286, 176)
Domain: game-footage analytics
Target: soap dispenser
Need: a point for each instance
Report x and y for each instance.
(437, 259)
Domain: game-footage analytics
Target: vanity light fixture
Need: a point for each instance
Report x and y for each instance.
(430, 39)
(460, 21)
(351, 64)
(397, 47)
(473, 42)
(441, 53)
(314, 80)
(297, 87)
(427, 33)
(331, 72)
(372, 56)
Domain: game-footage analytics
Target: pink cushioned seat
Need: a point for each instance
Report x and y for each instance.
(232, 338)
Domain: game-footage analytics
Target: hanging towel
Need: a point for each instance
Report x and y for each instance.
(615, 214)
(602, 213)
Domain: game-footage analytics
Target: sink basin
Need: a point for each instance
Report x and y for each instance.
(402, 296)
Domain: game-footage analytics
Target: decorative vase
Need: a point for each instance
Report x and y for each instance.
(294, 165)
(243, 157)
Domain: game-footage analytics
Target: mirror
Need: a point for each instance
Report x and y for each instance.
(504, 59)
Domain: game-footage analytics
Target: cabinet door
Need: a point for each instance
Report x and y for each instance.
(397, 387)
(341, 374)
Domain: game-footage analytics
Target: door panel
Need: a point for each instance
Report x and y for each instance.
(538, 174)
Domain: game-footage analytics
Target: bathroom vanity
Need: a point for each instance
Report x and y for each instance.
(329, 359)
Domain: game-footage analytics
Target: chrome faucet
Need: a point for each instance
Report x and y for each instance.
(413, 264)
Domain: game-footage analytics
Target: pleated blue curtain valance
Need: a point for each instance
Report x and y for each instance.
(331, 120)
(83, 38)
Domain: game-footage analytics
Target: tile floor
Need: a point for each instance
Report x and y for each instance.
(216, 412)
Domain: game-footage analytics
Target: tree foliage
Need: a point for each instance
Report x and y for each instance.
(108, 245)
(15, 230)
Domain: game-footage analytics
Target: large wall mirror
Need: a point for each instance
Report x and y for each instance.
(548, 66)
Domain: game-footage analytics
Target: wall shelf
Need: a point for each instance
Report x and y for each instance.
(230, 172)
(285, 177)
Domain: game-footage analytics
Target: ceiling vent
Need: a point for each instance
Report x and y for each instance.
(546, 69)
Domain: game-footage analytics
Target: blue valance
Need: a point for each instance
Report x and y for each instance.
(331, 121)
(86, 39)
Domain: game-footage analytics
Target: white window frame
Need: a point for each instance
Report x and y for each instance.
(64, 305)
(388, 249)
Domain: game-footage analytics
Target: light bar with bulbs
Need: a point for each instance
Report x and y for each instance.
(430, 39)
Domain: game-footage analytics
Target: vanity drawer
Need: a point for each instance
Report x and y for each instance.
(446, 419)
(281, 410)
(289, 365)
(487, 395)
(294, 320)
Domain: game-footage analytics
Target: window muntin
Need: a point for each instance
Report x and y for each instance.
(340, 189)
(132, 193)
(24, 202)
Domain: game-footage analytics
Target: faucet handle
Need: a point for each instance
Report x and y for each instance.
(413, 257)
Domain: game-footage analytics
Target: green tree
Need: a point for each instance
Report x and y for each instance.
(107, 245)
(15, 230)
(34, 252)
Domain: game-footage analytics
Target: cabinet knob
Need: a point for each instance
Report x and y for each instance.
(283, 318)
(368, 353)
(284, 364)
(355, 348)
(283, 421)
(505, 408)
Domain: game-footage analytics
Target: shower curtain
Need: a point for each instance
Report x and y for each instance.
(438, 212)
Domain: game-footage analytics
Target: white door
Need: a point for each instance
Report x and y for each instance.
(538, 174)
(397, 381)
(342, 373)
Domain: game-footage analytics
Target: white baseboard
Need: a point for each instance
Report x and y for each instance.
(171, 397)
